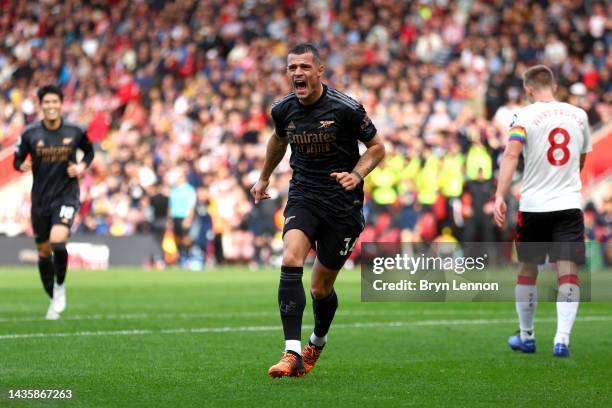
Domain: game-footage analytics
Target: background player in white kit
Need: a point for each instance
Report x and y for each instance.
(554, 139)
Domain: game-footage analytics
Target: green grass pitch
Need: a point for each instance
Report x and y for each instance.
(131, 338)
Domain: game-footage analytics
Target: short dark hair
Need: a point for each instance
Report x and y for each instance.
(539, 76)
(50, 89)
(304, 48)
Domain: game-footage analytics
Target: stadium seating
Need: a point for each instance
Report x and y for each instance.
(161, 84)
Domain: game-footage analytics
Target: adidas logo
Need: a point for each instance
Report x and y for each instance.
(326, 123)
(287, 307)
(291, 125)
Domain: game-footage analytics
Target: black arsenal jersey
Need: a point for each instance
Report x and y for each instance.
(324, 139)
(51, 151)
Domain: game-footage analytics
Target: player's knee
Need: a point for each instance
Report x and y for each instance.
(320, 291)
(290, 258)
(44, 249)
(44, 252)
(528, 269)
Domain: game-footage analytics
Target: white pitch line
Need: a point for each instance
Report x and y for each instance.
(239, 329)
(134, 316)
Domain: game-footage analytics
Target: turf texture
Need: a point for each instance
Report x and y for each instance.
(133, 338)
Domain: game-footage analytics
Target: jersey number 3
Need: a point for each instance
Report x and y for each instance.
(554, 147)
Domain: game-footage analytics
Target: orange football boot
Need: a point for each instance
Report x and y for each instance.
(310, 355)
(290, 365)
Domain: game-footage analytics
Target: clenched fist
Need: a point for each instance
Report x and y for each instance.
(259, 190)
(75, 170)
(349, 181)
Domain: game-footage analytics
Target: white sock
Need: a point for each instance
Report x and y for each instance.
(568, 300)
(293, 345)
(526, 303)
(318, 341)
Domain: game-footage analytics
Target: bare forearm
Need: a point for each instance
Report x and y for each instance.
(190, 216)
(507, 168)
(275, 152)
(370, 160)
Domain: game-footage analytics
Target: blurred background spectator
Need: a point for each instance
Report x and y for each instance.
(186, 86)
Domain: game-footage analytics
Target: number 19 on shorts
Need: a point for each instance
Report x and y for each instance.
(67, 212)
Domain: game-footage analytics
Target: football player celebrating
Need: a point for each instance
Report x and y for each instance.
(324, 210)
(52, 144)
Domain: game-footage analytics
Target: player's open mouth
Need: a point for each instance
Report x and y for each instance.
(300, 85)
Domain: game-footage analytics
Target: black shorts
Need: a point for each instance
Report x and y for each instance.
(558, 234)
(333, 242)
(42, 222)
(177, 227)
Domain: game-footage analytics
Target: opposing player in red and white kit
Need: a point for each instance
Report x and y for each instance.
(554, 139)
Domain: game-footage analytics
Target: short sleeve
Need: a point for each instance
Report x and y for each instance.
(22, 149)
(586, 133)
(193, 198)
(86, 146)
(362, 125)
(518, 129)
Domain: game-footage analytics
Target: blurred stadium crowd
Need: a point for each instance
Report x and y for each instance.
(182, 90)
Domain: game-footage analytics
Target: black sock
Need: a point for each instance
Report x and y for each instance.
(46, 270)
(257, 254)
(324, 311)
(60, 259)
(291, 301)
